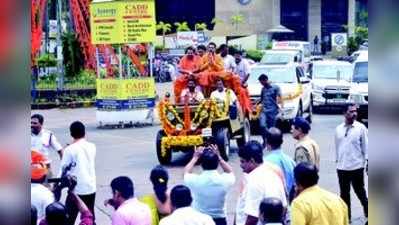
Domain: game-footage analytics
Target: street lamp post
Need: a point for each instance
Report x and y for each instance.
(60, 67)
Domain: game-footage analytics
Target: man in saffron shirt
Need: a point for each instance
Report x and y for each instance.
(189, 63)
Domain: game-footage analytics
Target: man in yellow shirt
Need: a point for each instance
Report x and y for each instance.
(314, 205)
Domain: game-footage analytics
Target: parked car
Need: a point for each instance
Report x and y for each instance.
(281, 56)
(359, 93)
(295, 87)
(330, 82)
(357, 54)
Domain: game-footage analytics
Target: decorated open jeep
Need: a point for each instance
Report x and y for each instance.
(183, 124)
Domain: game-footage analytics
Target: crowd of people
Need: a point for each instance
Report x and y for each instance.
(275, 188)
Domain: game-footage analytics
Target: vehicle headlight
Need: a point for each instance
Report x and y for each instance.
(170, 116)
(317, 87)
(356, 98)
(179, 127)
(194, 127)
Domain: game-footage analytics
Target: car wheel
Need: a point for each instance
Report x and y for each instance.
(246, 134)
(166, 158)
(223, 142)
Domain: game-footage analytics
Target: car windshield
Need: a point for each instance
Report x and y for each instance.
(360, 74)
(281, 57)
(332, 71)
(275, 74)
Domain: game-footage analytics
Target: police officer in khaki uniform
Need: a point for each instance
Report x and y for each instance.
(306, 149)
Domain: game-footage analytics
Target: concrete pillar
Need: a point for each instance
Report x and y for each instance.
(314, 20)
(276, 10)
(351, 17)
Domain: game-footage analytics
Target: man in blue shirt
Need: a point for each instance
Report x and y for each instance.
(270, 98)
(210, 188)
(279, 158)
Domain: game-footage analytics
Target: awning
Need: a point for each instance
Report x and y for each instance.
(280, 29)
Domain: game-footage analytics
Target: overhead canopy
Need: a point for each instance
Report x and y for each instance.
(280, 29)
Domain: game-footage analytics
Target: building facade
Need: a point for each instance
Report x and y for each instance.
(307, 18)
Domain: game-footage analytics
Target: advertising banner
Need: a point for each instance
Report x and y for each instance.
(187, 38)
(125, 94)
(122, 22)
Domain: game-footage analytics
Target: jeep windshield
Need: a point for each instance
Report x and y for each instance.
(360, 74)
(275, 74)
(332, 72)
(278, 57)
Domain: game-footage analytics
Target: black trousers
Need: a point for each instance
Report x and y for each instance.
(73, 211)
(356, 179)
(220, 221)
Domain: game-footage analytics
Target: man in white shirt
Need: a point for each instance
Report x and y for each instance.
(263, 180)
(228, 60)
(192, 93)
(351, 144)
(221, 93)
(182, 212)
(210, 187)
(40, 195)
(81, 156)
(242, 67)
(43, 140)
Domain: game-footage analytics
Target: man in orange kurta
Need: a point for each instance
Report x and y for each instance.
(211, 67)
(188, 64)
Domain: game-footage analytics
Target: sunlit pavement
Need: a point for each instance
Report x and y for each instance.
(131, 152)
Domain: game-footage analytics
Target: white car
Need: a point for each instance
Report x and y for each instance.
(281, 56)
(359, 93)
(295, 88)
(357, 54)
(330, 82)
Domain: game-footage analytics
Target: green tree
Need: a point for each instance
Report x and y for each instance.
(182, 26)
(72, 55)
(164, 28)
(201, 26)
(216, 21)
(236, 20)
(361, 34)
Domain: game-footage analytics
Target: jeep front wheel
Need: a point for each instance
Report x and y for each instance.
(223, 142)
(166, 158)
(245, 134)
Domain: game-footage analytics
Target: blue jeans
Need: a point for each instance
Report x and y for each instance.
(266, 121)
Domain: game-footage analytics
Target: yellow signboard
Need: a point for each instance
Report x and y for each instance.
(141, 88)
(121, 22)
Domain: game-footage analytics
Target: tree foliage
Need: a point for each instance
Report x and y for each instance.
(72, 54)
(182, 26)
(164, 28)
(201, 26)
(236, 20)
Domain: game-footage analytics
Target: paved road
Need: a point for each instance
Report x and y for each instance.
(131, 152)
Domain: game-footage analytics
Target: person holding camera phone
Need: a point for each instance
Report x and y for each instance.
(210, 187)
(57, 213)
